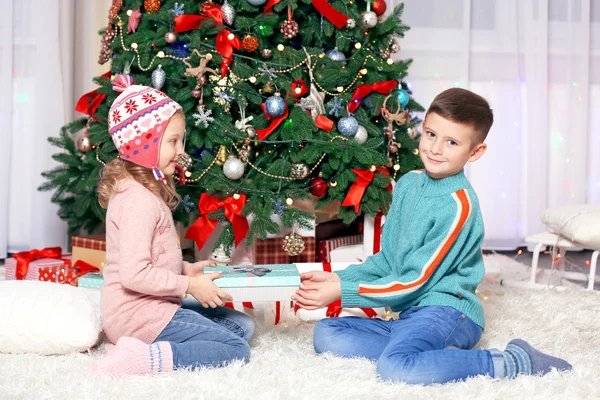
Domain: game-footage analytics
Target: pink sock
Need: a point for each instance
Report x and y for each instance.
(131, 356)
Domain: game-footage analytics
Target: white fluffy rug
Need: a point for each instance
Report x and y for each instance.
(284, 366)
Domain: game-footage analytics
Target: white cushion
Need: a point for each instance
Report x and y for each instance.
(47, 318)
(580, 224)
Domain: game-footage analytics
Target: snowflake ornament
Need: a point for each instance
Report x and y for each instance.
(278, 206)
(306, 104)
(267, 71)
(335, 106)
(176, 10)
(203, 116)
(187, 204)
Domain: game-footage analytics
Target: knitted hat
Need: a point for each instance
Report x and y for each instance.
(137, 121)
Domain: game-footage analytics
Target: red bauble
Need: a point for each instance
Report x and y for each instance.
(378, 7)
(318, 187)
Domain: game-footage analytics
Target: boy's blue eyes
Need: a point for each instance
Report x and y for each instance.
(452, 142)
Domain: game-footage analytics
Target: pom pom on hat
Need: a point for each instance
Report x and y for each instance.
(122, 82)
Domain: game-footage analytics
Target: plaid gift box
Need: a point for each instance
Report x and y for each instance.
(91, 249)
(270, 251)
(325, 247)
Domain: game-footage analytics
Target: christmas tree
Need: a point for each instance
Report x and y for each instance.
(284, 100)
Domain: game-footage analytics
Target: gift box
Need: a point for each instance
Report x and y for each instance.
(259, 283)
(90, 249)
(26, 264)
(270, 251)
(91, 280)
(66, 274)
(335, 309)
(325, 247)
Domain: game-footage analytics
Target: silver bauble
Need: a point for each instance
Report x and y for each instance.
(170, 37)
(266, 53)
(83, 143)
(257, 2)
(350, 24)
(368, 19)
(413, 132)
(158, 77)
(361, 135)
(275, 106)
(251, 131)
(233, 168)
(336, 55)
(299, 171)
(395, 47)
(228, 13)
(347, 126)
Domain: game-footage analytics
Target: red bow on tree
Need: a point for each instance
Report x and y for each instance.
(364, 90)
(89, 102)
(201, 230)
(24, 258)
(337, 18)
(363, 178)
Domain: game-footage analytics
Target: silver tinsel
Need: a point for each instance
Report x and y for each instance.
(336, 55)
(299, 171)
(361, 135)
(347, 126)
(275, 106)
(368, 19)
(158, 77)
(233, 168)
(228, 13)
(257, 2)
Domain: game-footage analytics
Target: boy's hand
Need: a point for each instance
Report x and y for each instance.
(206, 292)
(319, 276)
(313, 294)
(197, 268)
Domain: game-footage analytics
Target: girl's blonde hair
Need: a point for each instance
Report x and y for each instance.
(117, 170)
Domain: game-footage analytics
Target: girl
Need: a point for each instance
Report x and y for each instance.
(145, 275)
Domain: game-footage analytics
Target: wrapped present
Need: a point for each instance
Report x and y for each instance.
(26, 264)
(325, 247)
(65, 273)
(91, 280)
(270, 251)
(91, 249)
(259, 283)
(334, 309)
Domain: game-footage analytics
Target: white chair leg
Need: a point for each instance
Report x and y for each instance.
(594, 263)
(534, 261)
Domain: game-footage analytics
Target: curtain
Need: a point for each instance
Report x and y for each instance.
(537, 63)
(38, 62)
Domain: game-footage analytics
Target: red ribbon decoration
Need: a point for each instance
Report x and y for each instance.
(263, 133)
(24, 258)
(225, 47)
(189, 22)
(269, 7)
(363, 178)
(324, 123)
(363, 91)
(377, 233)
(89, 102)
(334, 16)
(201, 230)
(83, 268)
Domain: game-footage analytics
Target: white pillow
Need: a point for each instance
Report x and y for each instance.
(579, 223)
(47, 318)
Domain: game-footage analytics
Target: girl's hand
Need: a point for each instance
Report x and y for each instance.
(197, 268)
(206, 292)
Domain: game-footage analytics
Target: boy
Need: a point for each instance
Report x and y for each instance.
(429, 268)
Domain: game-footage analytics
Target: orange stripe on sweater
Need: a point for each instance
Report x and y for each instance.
(465, 211)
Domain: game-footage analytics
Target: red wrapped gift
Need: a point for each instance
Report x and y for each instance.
(326, 246)
(26, 264)
(66, 274)
(270, 251)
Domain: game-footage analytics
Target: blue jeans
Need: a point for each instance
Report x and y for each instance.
(207, 336)
(425, 345)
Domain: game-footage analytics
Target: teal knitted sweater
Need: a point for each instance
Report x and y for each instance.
(430, 250)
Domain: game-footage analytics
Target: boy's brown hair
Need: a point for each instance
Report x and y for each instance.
(464, 107)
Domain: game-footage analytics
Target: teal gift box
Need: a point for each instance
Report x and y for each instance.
(272, 282)
(92, 280)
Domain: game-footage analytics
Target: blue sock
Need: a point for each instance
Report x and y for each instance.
(521, 358)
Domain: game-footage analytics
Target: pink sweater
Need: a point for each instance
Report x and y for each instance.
(143, 280)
